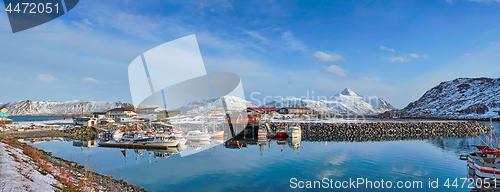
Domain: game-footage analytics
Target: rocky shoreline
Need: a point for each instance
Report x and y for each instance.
(74, 132)
(106, 182)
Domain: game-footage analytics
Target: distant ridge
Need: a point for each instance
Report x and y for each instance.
(347, 102)
(29, 107)
(461, 98)
(202, 106)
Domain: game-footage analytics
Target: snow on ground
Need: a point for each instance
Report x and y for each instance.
(19, 173)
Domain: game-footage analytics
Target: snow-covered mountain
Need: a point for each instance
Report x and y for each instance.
(346, 102)
(205, 105)
(460, 98)
(28, 107)
(319, 106)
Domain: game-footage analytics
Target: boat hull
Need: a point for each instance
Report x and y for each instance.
(483, 171)
(218, 134)
(282, 134)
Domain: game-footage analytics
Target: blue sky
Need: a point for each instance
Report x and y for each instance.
(393, 49)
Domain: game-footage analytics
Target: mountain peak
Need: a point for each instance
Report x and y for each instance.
(349, 92)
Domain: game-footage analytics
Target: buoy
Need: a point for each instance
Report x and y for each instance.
(302, 147)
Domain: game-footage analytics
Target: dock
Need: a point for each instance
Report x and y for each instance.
(132, 145)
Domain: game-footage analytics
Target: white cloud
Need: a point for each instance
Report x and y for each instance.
(402, 59)
(417, 56)
(90, 80)
(328, 57)
(45, 77)
(466, 54)
(258, 36)
(334, 69)
(449, 1)
(84, 24)
(293, 43)
(387, 49)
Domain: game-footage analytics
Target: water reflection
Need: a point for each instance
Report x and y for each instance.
(88, 143)
(263, 164)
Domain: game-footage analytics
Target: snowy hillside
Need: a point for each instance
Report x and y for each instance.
(201, 106)
(460, 98)
(346, 102)
(28, 107)
(319, 106)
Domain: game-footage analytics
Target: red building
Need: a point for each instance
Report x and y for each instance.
(294, 110)
(236, 117)
(262, 110)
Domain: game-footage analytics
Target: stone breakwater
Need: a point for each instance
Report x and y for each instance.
(383, 131)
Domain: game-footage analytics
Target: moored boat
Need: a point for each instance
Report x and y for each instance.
(294, 131)
(486, 163)
(163, 140)
(282, 131)
(136, 137)
(217, 134)
(197, 136)
(262, 135)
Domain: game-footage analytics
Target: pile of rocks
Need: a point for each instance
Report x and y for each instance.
(380, 131)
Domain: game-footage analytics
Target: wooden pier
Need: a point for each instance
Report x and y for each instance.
(132, 145)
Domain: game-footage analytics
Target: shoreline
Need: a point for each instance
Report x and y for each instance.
(76, 177)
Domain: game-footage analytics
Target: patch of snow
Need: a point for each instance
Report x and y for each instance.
(467, 98)
(345, 103)
(29, 179)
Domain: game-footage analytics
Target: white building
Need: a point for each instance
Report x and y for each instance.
(117, 113)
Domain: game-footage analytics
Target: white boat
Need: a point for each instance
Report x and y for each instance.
(217, 134)
(197, 136)
(163, 140)
(175, 132)
(179, 138)
(486, 162)
(136, 137)
(117, 134)
(294, 131)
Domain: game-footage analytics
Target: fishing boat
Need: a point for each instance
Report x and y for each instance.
(282, 131)
(197, 136)
(294, 131)
(118, 133)
(281, 141)
(262, 134)
(182, 140)
(136, 137)
(174, 132)
(486, 163)
(164, 140)
(217, 134)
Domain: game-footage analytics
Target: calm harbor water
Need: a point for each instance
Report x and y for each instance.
(35, 118)
(271, 166)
